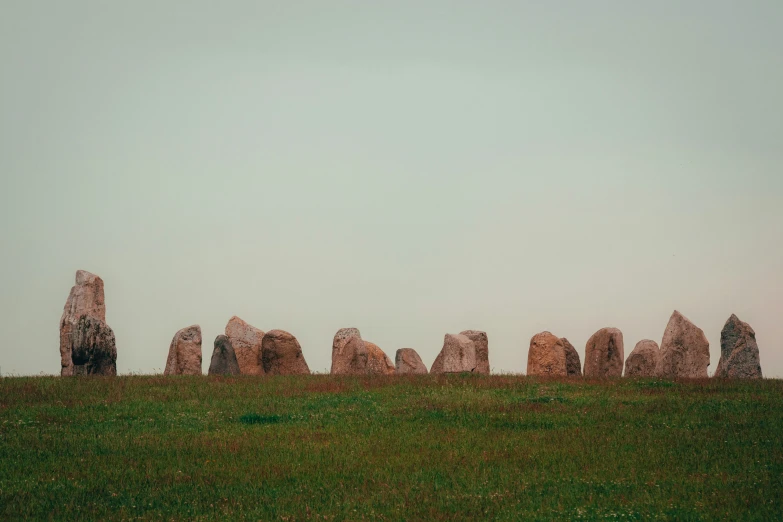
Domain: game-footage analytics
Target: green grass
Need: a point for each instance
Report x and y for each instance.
(425, 448)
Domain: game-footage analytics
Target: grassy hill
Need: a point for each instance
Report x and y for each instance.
(390, 448)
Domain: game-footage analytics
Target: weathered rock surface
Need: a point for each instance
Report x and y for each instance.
(457, 355)
(685, 350)
(246, 340)
(83, 326)
(407, 360)
(378, 363)
(739, 353)
(643, 359)
(281, 354)
(546, 356)
(349, 353)
(604, 354)
(573, 364)
(224, 360)
(481, 342)
(185, 352)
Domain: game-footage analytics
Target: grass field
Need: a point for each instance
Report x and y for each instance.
(393, 448)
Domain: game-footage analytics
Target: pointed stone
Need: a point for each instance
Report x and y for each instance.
(643, 360)
(546, 356)
(378, 363)
(457, 355)
(604, 354)
(246, 340)
(685, 350)
(224, 360)
(185, 352)
(573, 364)
(739, 352)
(349, 353)
(407, 360)
(281, 354)
(481, 343)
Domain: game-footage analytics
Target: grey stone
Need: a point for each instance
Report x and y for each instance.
(224, 360)
(739, 352)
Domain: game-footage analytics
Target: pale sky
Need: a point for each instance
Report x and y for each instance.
(410, 168)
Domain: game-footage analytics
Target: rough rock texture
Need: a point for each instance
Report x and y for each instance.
(643, 359)
(408, 361)
(546, 355)
(93, 336)
(246, 340)
(481, 342)
(224, 360)
(282, 355)
(604, 354)
(739, 353)
(685, 350)
(349, 353)
(457, 355)
(573, 364)
(185, 352)
(378, 363)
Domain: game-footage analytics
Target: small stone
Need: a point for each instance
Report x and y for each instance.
(281, 354)
(643, 359)
(546, 356)
(224, 360)
(604, 354)
(246, 340)
(457, 355)
(685, 350)
(407, 360)
(378, 363)
(573, 364)
(349, 353)
(481, 342)
(185, 352)
(739, 352)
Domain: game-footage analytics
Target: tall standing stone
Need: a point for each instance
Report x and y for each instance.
(246, 340)
(457, 355)
(407, 360)
(685, 350)
(643, 359)
(349, 353)
(546, 356)
(604, 354)
(573, 364)
(378, 363)
(224, 360)
(87, 344)
(185, 352)
(481, 342)
(739, 353)
(281, 354)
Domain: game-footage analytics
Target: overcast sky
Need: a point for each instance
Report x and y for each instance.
(410, 168)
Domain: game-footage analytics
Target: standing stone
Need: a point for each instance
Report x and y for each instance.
(224, 360)
(573, 364)
(481, 342)
(83, 328)
(546, 356)
(246, 340)
(408, 361)
(643, 359)
(349, 353)
(604, 354)
(457, 355)
(281, 354)
(185, 352)
(378, 363)
(739, 353)
(685, 350)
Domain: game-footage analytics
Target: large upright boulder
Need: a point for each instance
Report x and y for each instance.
(407, 360)
(643, 359)
(378, 363)
(83, 329)
(481, 342)
(185, 352)
(685, 350)
(457, 355)
(739, 353)
(573, 363)
(349, 353)
(246, 340)
(546, 356)
(604, 354)
(281, 354)
(224, 360)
